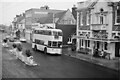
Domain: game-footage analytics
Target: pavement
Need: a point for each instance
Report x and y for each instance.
(0, 57)
(112, 64)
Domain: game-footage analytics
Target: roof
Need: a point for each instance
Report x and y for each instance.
(19, 19)
(44, 10)
(90, 3)
(86, 4)
(49, 17)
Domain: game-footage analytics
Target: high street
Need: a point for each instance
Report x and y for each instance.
(51, 66)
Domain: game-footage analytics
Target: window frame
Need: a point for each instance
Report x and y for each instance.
(105, 46)
(116, 15)
(81, 18)
(87, 18)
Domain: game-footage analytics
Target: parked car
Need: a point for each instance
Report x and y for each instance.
(22, 39)
(73, 45)
(11, 39)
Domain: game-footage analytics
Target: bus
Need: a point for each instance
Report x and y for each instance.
(47, 40)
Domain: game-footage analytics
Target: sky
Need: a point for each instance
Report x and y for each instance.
(10, 8)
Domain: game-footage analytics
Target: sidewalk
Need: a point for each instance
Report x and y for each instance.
(112, 64)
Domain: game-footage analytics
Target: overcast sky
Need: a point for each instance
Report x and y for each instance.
(10, 8)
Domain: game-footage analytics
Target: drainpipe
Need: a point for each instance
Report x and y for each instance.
(77, 29)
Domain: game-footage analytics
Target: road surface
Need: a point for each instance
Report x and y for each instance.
(52, 66)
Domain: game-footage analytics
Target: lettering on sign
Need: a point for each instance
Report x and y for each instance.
(41, 12)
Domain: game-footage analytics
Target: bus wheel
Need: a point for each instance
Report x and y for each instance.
(45, 50)
(35, 48)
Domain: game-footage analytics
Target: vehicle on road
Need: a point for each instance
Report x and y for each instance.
(47, 40)
(22, 39)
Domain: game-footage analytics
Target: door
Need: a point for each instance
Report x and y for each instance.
(117, 49)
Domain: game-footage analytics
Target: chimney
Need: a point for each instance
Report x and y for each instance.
(74, 12)
(45, 7)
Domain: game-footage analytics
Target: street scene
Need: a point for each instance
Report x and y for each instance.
(82, 41)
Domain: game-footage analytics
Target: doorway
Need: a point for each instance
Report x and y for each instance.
(117, 49)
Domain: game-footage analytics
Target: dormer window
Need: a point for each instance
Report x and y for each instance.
(117, 14)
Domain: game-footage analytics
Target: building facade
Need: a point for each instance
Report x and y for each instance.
(19, 24)
(59, 19)
(98, 27)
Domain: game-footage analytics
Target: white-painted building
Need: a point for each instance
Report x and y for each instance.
(98, 27)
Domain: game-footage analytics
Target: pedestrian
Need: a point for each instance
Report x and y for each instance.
(29, 57)
(19, 51)
(14, 49)
(101, 54)
(95, 52)
(28, 53)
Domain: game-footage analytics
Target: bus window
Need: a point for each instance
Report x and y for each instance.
(47, 32)
(49, 43)
(59, 44)
(54, 44)
(40, 32)
(36, 31)
(54, 33)
(60, 34)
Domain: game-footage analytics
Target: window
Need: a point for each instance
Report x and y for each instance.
(40, 32)
(54, 44)
(113, 34)
(87, 19)
(82, 42)
(60, 34)
(39, 42)
(81, 19)
(48, 33)
(101, 19)
(54, 33)
(105, 45)
(85, 43)
(59, 44)
(88, 43)
(117, 14)
(49, 43)
(36, 32)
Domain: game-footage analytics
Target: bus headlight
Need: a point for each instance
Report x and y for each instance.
(61, 46)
